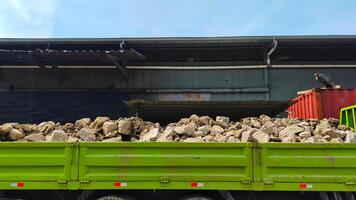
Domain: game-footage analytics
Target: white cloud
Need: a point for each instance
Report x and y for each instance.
(23, 18)
(261, 20)
(20, 9)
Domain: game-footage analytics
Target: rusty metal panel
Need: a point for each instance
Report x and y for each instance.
(184, 96)
(334, 100)
(305, 106)
(222, 97)
(322, 103)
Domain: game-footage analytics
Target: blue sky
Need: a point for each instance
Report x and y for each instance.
(153, 18)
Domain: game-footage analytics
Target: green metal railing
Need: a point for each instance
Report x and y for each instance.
(348, 116)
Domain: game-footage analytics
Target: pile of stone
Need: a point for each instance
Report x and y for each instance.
(193, 129)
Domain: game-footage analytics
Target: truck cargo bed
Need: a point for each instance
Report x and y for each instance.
(218, 166)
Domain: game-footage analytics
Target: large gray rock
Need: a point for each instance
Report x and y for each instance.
(111, 134)
(305, 134)
(98, 122)
(187, 129)
(6, 128)
(246, 121)
(167, 135)
(109, 127)
(235, 133)
(331, 132)
(180, 130)
(278, 122)
(265, 119)
(232, 139)
(246, 135)
(208, 138)
(194, 118)
(222, 121)
(58, 135)
(125, 126)
(323, 124)
(152, 135)
(220, 137)
(205, 120)
(286, 121)
(36, 137)
(68, 127)
(46, 127)
(230, 133)
(87, 134)
(290, 130)
(269, 128)
(350, 137)
(261, 136)
(15, 134)
(255, 123)
(25, 127)
(216, 129)
(204, 129)
(289, 139)
(197, 134)
(81, 123)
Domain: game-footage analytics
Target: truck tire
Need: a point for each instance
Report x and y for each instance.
(196, 197)
(116, 197)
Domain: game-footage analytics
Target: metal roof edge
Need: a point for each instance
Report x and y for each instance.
(182, 39)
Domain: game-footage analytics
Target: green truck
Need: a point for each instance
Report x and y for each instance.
(210, 170)
(156, 170)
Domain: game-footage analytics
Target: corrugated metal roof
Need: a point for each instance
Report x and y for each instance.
(197, 51)
(183, 39)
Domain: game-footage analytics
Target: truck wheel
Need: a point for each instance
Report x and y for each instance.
(22, 195)
(196, 197)
(116, 197)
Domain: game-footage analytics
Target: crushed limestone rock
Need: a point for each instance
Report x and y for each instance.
(195, 128)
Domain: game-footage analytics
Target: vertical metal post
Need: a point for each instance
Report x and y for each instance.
(268, 65)
(266, 82)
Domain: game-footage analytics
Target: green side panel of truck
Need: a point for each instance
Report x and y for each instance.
(348, 116)
(333, 163)
(312, 164)
(142, 164)
(218, 166)
(37, 165)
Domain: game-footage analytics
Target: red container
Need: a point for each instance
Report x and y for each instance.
(321, 103)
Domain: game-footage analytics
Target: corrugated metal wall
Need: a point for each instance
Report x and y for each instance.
(285, 82)
(67, 88)
(197, 79)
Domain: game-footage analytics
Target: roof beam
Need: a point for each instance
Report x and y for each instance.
(122, 67)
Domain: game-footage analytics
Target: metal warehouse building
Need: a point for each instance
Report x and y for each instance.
(162, 79)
